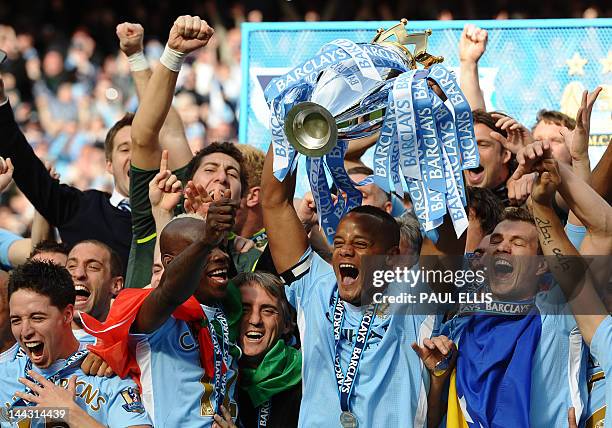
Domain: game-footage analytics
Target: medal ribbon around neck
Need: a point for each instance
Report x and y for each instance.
(221, 352)
(70, 362)
(346, 381)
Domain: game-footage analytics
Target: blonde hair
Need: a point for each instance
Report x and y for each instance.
(253, 163)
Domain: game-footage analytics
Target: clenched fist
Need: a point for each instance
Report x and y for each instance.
(189, 33)
(130, 38)
(473, 43)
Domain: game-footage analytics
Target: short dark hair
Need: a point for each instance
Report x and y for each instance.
(360, 169)
(486, 118)
(487, 207)
(109, 142)
(517, 214)
(116, 266)
(46, 278)
(392, 232)
(49, 247)
(520, 214)
(366, 170)
(555, 117)
(224, 147)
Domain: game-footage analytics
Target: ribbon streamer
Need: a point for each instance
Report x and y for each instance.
(423, 146)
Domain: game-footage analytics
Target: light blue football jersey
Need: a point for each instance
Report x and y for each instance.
(601, 348)
(11, 353)
(113, 402)
(558, 375)
(391, 384)
(83, 337)
(175, 389)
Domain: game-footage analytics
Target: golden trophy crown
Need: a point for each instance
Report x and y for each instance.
(403, 40)
(313, 127)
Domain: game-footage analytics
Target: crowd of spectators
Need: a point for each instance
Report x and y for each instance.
(169, 297)
(68, 83)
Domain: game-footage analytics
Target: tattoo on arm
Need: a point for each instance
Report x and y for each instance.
(543, 227)
(563, 260)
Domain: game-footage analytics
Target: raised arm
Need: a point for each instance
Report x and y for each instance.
(578, 140)
(356, 149)
(601, 178)
(164, 194)
(183, 274)
(286, 235)
(187, 35)
(41, 229)
(569, 269)
(57, 202)
(590, 208)
(472, 45)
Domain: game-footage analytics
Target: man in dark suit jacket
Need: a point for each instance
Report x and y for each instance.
(79, 215)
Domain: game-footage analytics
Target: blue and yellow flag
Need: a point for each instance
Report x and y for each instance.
(491, 385)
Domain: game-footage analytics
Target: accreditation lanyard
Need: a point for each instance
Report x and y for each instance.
(221, 352)
(72, 361)
(264, 413)
(346, 381)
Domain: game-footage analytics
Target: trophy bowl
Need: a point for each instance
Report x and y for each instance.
(311, 129)
(346, 105)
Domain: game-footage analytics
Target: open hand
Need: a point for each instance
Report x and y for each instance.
(46, 393)
(224, 420)
(518, 135)
(578, 140)
(197, 199)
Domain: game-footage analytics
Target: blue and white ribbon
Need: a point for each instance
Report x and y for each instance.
(425, 141)
(431, 162)
(328, 219)
(463, 115)
(361, 58)
(405, 126)
(382, 149)
(346, 188)
(446, 132)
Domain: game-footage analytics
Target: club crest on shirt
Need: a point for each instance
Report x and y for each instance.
(133, 403)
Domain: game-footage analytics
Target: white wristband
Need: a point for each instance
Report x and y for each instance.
(172, 59)
(138, 62)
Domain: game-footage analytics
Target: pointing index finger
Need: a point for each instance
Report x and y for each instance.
(163, 164)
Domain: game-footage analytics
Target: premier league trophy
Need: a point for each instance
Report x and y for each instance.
(348, 91)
